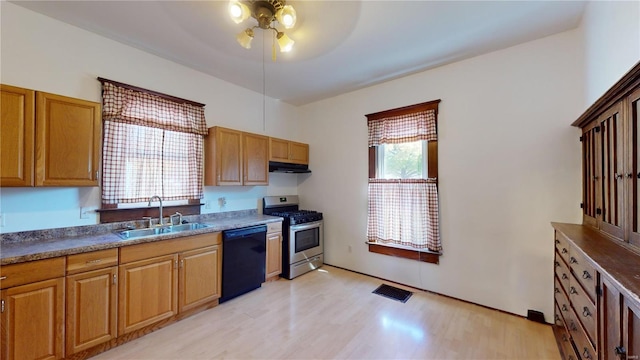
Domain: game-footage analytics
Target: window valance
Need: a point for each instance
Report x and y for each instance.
(403, 128)
(123, 105)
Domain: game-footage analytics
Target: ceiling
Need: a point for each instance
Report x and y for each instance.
(340, 46)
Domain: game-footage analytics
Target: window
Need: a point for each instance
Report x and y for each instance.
(403, 182)
(152, 146)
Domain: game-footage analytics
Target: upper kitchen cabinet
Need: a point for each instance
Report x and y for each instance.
(611, 160)
(233, 157)
(48, 140)
(17, 124)
(288, 151)
(68, 134)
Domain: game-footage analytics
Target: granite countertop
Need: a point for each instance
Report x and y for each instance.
(44, 244)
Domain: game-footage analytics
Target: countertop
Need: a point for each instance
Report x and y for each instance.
(44, 244)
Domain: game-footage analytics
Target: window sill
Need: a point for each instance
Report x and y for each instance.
(404, 252)
(126, 214)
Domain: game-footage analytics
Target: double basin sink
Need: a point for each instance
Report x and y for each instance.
(168, 229)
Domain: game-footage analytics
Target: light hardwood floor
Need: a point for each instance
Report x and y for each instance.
(331, 314)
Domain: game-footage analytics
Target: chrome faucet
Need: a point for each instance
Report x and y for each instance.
(160, 207)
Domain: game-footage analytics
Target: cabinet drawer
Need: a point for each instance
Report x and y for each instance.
(92, 261)
(567, 345)
(562, 272)
(24, 273)
(562, 301)
(585, 310)
(579, 337)
(584, 272)
(274, 227)
(562, 246)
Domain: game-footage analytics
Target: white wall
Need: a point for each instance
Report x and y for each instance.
(612, 43)
(44, 54)
(509, 165)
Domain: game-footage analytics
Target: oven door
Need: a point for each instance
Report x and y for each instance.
(305, 241)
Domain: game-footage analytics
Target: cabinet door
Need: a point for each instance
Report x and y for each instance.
(610, 316)
(298, 153)
(229, 156)
(612, 172)
(17, 123)
(631, 329)
(148, 292)
(256, 159)
(633, 165)
(274, 255)
(278, 150)
(200, 275)
(33, 321)
(91, 309)
(67, 141)
(591, 190)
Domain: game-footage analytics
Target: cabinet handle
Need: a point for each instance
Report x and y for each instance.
(629, 175)
(2, 306)
(595, 178)
(586, 312)
(557, 241)
(586, 275)
(585, 354)
(639, 175)
(182, 263)
(114, 279)
(175, 263)
(557, 290)
(564, 277)
(619, 176)
(557, 264)
(564, 250)
(620, 350)
(573, 327)
(573, 260)
(3, 277)
(94, 261)
(573, 290)
(564, 307)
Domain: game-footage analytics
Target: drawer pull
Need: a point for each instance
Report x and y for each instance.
(557, 290)
(564, 250)
(585, 354)
(564, 307)
(573, 327)
(586, 275)
(573, 260)
(586, 312)
(565, 338)
(572, 290)
(3, 277)
(564, 277)
(557, 241)
(96, 261)
(557, 264)
(620, 350)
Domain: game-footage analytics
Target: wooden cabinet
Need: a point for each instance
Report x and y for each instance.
(274, 251)
(147, 293)
(235, 158)
(50, 141)
(91, 301)
(17, 124)
(611, 160)
(199, 277)
(32, 306)
(288, 151)
(149, 285)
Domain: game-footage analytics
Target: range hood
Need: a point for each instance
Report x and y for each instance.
(281, 167)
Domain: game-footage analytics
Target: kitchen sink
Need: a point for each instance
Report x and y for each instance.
(168, 229)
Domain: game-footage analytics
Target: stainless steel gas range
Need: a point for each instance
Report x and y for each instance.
(302, 235)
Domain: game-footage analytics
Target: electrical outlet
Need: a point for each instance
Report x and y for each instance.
(207, 204)
(222, 202)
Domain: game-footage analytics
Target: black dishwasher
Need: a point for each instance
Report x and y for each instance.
(243, 260)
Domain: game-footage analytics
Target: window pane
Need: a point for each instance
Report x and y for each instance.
(403, 161)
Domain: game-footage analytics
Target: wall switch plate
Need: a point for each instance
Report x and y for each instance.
(207, 204)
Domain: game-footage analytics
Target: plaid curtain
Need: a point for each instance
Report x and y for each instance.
(405, 128)
(152, 146)
(404, 211)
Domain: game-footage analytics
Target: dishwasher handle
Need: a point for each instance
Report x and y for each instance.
(244, 232)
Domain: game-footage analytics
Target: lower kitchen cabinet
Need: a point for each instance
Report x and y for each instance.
(33, 320)
(147, 292)
(91, 309)
(274, 250)
(199, 283)
(631, 329)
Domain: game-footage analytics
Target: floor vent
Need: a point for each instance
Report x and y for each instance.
(392, 292)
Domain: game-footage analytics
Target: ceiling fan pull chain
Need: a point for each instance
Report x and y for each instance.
(273, 48)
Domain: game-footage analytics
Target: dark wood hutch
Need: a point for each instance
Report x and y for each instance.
(597, 264)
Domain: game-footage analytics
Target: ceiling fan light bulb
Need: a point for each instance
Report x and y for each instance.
(238, 11)
(285, 43)
(287, 16)
(244, 38)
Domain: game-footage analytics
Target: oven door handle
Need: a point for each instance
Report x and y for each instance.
(305, 226)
